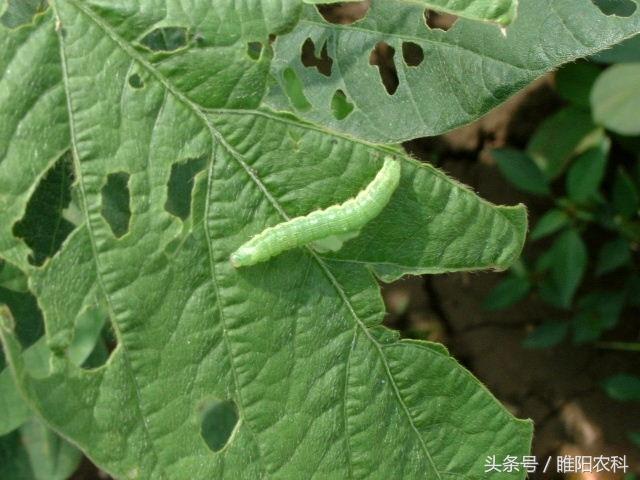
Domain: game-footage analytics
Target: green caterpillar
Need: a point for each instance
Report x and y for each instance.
(324, 228)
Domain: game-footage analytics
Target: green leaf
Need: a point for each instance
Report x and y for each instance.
(39, 108)
(613, 255)
(14, 461)
(51, 457)
(568, 257)
(635, 438)
(502, 12)
(615, 100)
(295, 345)
(623, 387)
(559, 138)
(598, 312)
(626, 198)
(575, 81)
(521, 171)
(550, 223)
(464, 72)
(36, 453)
(29, 329)
(88, 327)
(547, 335)
(586, 173)
(15, 409)
(12, 278)
(508, 292)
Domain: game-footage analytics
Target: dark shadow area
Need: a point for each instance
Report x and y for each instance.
(439, 20)
(43, 227)
(323, 63)
(382, 56)
(166, 39)
(344, 13)
(116, 208)
(218, 421)
(180, 186)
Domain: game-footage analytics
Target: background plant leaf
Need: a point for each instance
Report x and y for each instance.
(614, 99)
(550, 223)
(613, 255)
(558, 138)
(546, 335)
(521, 171)
(623, 387)
(575, 81)
(508, 292)
(567, 261)
(586, 173)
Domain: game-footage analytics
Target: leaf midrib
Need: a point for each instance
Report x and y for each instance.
(238, 157)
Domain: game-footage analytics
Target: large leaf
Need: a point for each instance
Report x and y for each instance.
(444, 79)
(292, 348)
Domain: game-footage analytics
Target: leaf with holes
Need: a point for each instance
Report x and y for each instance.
(502, 12)
(144, 139)
(406, 77)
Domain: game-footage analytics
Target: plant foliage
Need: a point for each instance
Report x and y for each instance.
(169, 144)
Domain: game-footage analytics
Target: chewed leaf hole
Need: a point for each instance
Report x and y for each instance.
(382, 57)
(180, 186)
(23, 306)
(294, 90)
(439, 21)
(43, 227)
(309, 59)
(22, 12)
(619, 8)
(412, 53)
(135, 81)
(166, 39)
(340, 105)
(116, 208)
(218, 420)
(90, 347)
(344, 13)
(254, 50)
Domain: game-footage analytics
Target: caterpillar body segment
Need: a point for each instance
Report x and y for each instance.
(341, 221)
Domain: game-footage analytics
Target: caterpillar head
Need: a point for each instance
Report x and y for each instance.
(243, 257)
